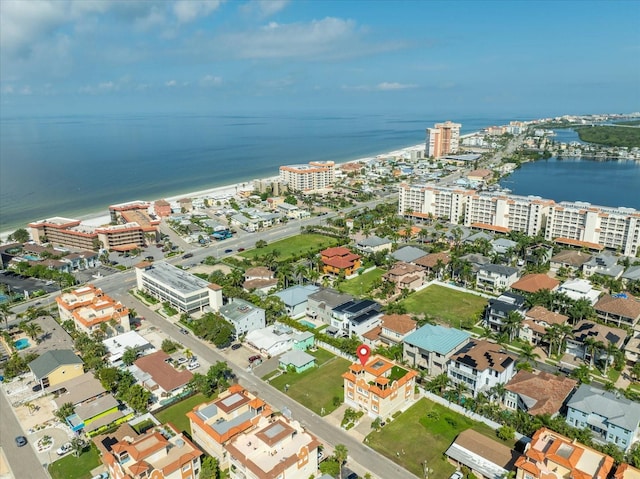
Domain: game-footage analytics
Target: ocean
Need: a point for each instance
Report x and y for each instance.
(75, 165)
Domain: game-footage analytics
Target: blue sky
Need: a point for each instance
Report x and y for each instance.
(514, 58)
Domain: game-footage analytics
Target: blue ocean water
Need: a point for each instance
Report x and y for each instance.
(604, 183)
(74, 165)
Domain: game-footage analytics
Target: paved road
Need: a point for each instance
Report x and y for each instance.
(23, 460)
(326, 432)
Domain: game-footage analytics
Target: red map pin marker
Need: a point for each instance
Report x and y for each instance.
(364, 352)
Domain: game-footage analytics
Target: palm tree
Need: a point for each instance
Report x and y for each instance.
(33, 330)
(528, 354)
(460, 389)
(497, 392)
(5, 311)
(340, 452)
(512, 324)
(439, 383)
(610, 350)
(300, 272)
(591, 347)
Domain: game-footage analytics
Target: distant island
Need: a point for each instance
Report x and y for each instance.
(627, 136)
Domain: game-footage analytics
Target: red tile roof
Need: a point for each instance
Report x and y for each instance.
(548, 390)
(532, 283)
(165, 375)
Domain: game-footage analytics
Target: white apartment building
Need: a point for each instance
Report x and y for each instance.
(317, 175)
(614, 228)
(180, 289)
(574, 223)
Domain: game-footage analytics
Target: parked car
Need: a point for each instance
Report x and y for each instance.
(241, 249)
(102, 475)
(187, 256)
(236, 346)
(181, 360)
(353, 475)
(65, 448)
(21, 441)
(184, 331)
(254, 358)
(192, 366)
(456, 475)
(228, 250)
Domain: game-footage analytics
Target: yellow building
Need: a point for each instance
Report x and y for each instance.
(56, 366)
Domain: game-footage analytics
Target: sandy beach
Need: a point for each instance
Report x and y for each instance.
(102, 217)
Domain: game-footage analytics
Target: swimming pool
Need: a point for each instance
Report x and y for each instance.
(22, 343)
(308, 324)
(31, 257)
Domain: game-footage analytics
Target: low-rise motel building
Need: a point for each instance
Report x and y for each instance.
(179, 288)
(88, 307)
(379, 387)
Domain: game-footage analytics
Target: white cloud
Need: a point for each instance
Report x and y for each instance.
(8, 89)
(394, 86)
(329, 38)
(384, 86)
(25, 90)
(188, 10)
(263, 8)
(210, 81)
(171, 83)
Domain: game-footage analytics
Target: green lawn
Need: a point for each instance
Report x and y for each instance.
(446, 305)
(176, 414)
(296, 245)
(361, 285)
(72, 467)
(404, 439)
(315, 388)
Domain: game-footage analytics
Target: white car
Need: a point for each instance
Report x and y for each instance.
(65, 448)
(181, 360)
(192, 366)
(456, 475)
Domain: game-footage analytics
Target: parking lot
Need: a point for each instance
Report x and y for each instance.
(17, 283)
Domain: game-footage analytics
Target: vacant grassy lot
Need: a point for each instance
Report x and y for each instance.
(72, 467)
(361, 285)
(294, 246)
(446, 305)
(176, 414)
(425, 423)
(315, 388)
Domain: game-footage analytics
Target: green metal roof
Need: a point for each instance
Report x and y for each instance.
(48, 362)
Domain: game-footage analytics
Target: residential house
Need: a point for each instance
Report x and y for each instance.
(631, 274)
(339, 260)
(272, 340)
(320, 305)
(94, 407)
(276, 448)
(480, 365)
(355, 317)
(499, 308)
(538, 254)
(502, 246)
(577, 346)
(296, 359)
(430, 347)
(620, 309)
(496, 277)
(605, 264)
(118, 345)
(569, 259)
(295, 299)
(625, 471)
(243, 315)
(380, 387)
(216, 423)
(434, 263)
(88, 307)
(552, 455)
(484, 457)
(408, 254)
(373, 244)
(55, 367)
(632, 349)
(160, 453)
(405, 276)
(259, 279)
(579, 289)
(396, 327)
(157, 375)
(185, 205)
(476, 261)
(536, 322)
(303, 340)
(532, 283)
(610, 418)
(480, 175)
(538, 394)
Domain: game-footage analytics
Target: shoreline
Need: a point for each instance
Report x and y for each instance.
(98, 218)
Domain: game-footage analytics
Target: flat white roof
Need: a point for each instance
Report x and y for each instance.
(119, 344)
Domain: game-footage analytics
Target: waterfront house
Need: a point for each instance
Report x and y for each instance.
(622, 309)
(610, 418)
